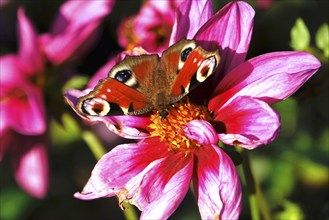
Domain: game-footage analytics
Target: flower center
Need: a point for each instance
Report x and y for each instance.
(172, 129)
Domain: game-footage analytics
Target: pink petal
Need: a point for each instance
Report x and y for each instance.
(247, 123)
(270, 77)
(10, 70)
(127, 162)
(29, 51)
(32, 168)
(163, 188)
(75, 14)
(126, 126)
(190, 16)
(217, 185)
(74, 29)
(229, 30)
(201, 131)
(28, 115)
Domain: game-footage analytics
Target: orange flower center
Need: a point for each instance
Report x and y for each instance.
(172, 129)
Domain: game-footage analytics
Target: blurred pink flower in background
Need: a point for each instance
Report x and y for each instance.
(23, 122)
(22, 107)
(150, 28)
(264, 4)
(22, 110)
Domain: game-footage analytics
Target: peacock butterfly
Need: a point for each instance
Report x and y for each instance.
(142, 83)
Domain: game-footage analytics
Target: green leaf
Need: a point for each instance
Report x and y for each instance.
(300, 36)
(312, 173)
(282, 181)
(290, 211)
(76, 82)
(322, 39)
(65, 132)
(13, 203)
(288, 111)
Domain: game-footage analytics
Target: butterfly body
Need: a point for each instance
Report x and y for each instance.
(142, 83)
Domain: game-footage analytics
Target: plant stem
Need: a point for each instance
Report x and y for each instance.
(98, 151)
(257, 202)
(94, 144)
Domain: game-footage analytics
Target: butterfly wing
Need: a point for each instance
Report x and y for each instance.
(139, 84)
(189, 65)
(122, 91)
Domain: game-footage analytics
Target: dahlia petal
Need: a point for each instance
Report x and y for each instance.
(217, 185)
(164, 186)
(202, 131)
(190, 16)
(233, 25)
(126, 126)
(29, 51)
(32, 169)
(271, 77)
(248, 122)
(74, 29)
(127, 162)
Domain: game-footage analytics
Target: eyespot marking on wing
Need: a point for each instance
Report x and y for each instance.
(206, 68)
(185, 52)
(124, 76)
(95, 107)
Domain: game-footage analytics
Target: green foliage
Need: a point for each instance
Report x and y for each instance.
(300, 36)
(288, 113)
(322, 39)
(65, 132)
(77, 82)
(14, 203)
(291, 211)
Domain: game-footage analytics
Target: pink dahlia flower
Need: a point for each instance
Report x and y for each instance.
(155, 173)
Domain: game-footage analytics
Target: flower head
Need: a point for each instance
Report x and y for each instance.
(154, 174)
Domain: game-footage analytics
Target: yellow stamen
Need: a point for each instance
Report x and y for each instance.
(172, 129)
